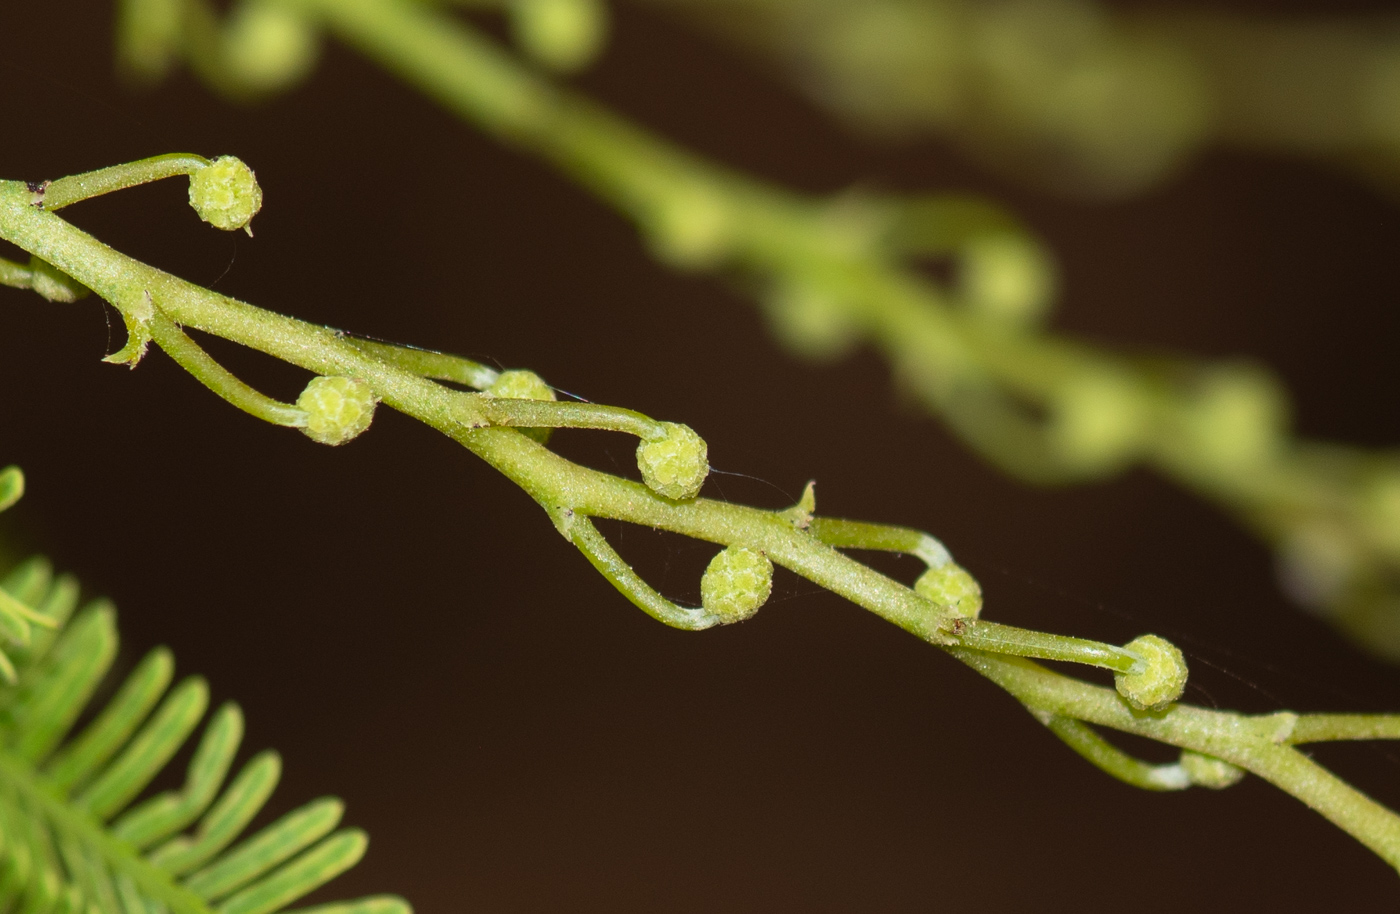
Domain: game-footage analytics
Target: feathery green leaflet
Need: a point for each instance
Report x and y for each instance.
(74, 839)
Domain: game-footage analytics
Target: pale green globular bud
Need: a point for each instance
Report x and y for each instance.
(1209, 771)
(691, 229)
(736, 583)
(1008, 279)
(53, 284)
(1098, 419)
(950, 585)
(337, 409)
(564, 35)
(1237, 421)
(226, 194)
(811, 321)
(1159, 676)
(268, 45)
(519, 384)
(676, 463)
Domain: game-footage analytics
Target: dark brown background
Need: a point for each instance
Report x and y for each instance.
(411, 633)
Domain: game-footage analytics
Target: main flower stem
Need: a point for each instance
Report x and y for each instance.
(1257, 744)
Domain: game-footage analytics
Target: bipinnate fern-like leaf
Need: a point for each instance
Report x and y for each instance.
(72, 839)
(17, 616)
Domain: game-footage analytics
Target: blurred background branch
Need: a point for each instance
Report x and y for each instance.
(1088, 98)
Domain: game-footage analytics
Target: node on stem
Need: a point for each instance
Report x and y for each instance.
(800, 515)
(736, 583)
(1159, 677)
(676, 464)
(337, 409)
(226, 194)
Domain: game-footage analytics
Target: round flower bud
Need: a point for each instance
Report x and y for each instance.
(269, 45)
(1098, 420)
(1209, 771)
(519, 384)
(950, 585)
(1008, 279)
(225, 193)
(736, 583)
(563, 34)
(337, 409)
(1159, 677)
(674, 465)
(812, 321)
(1237, 420)
(693, 229)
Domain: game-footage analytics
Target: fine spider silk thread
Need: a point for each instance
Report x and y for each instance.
(1218, 658)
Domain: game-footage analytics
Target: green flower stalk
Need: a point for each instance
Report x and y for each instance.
(352, 376)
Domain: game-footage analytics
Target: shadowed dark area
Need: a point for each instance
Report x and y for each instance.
(410, 632)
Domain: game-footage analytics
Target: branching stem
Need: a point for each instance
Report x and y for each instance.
(572, 495)
(1113, 761)
(189, 356)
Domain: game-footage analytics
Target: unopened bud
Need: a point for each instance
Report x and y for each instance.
(1159, 677)
(225, 193)
(337, 409)
(676, 464)
(736, 583)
